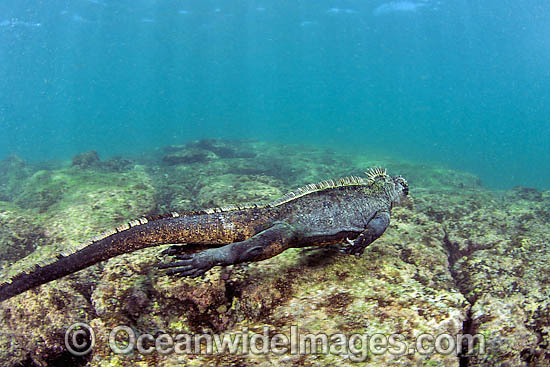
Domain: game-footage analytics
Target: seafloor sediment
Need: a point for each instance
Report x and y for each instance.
(460, 259)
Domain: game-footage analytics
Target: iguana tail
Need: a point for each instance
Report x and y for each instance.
(196, 227)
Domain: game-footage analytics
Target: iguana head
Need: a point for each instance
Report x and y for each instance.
(401, 188)
(395, 188)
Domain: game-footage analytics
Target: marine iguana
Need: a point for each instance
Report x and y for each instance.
(328, 213)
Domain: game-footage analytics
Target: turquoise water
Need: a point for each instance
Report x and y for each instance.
(463, 83)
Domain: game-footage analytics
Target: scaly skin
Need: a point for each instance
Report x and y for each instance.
(326, 214)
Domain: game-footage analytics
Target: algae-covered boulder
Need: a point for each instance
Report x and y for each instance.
(86, 160)
(20, 233)
(117, 164)
(204, 151)
(33, 326)
(503, 269)
(13, 170)
(95, 201)
(90, 160)
(72, 190)
(43, 189)
(222, 190)
(87, 203)
(223, 148)
(189, 155)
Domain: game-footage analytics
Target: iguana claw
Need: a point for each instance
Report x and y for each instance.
(190, 265)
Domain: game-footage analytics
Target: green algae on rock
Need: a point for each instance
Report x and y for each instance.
(90, 202)
(20, 234)
(13, 170)
(462, 259)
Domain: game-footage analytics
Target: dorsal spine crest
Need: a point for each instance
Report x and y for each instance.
(374, 173)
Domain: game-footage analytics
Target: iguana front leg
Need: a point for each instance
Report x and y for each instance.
(375, 228)
(263, 245)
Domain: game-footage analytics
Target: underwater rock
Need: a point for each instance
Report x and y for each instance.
(525, 193)
(86, 160)
(223, 148)
(222, 190)
(41, 190)
(57, 189)
(13, 170)
(117, 164)
(12, 162)
(90, 160)
(32, 326)
(32, 329)
(20, 233)
(205, 150)
(501, 253)
(189, 156)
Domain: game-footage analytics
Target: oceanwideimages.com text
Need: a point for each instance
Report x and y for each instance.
(80, 340)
